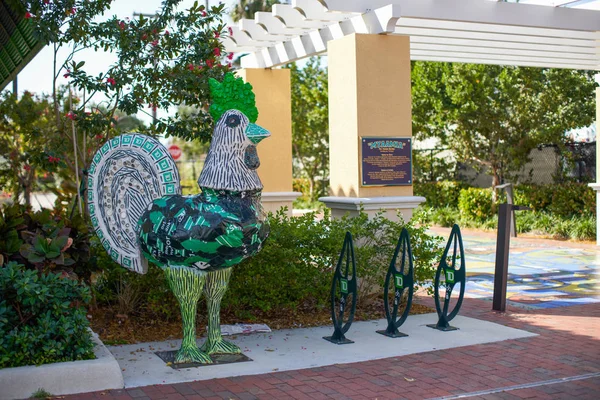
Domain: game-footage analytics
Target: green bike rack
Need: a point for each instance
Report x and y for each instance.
(451, 273)
(401, 273)
(342, 287)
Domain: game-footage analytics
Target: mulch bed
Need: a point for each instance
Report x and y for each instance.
(114, 328)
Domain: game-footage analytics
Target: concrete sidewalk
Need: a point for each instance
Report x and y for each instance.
(562, 362)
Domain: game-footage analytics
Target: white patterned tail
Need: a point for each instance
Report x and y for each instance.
(126, 174)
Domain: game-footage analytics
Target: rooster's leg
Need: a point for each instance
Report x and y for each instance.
(187, 286)
(216, 286)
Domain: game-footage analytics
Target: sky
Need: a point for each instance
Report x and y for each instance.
(36, 77)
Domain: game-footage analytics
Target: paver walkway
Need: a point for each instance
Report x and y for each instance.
(563, 362)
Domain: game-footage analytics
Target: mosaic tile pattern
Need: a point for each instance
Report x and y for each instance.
(543, 276)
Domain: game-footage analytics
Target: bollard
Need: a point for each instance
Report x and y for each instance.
(505, 213)
(448, 270)
(402, 275)
(508, 187)
(346, 286)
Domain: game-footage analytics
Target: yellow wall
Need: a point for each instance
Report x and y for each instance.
(369, 95)
(274, 103)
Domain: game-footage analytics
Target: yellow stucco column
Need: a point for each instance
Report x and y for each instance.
(369, 96)
(272, 89)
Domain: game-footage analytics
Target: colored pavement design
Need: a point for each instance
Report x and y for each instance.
(541, 273)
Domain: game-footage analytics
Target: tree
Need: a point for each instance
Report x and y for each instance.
(247, 8)
(310, 124)
(495, 115)
(28, 144)
(160, 62)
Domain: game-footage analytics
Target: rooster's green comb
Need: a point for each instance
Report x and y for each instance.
(232, 94)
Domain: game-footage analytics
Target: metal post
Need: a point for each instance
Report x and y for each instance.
(16, 86)
(508, 187)
(502, 248)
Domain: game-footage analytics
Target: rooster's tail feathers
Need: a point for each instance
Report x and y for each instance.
(125, 176)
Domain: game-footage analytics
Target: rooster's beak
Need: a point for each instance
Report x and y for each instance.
(256, 133)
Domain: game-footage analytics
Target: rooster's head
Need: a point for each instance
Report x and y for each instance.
(232, 157)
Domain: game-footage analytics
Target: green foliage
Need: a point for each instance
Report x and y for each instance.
(537, 197)
(292, 271)
(132, 293)
(301, 253)
(495, 115)
(42, 318)
(310, 126)
(476, 203)
(232, 94)
(439, 194)
(29, 144)
(571, 199)
(542, 223)
(41, 394)
(11, 222)
(248, 8)
(47, 241)
(429, 166)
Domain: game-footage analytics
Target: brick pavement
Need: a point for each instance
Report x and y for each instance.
(568, 345)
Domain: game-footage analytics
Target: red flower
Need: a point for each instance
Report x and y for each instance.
(203, 13)
(68, 74)
(144, 36)
(98, 136)
(71, 11)
(230, 56)
(166, 33)
(71, 116)
(217, 51)
(230, 31)
(199, 67)
(154, 43)
(111, 81)
(209, 63)
(27, 167)
(217, 34)
(46, 1)
(122, 25)
(191, 67)
(229, 64)
(28, 15)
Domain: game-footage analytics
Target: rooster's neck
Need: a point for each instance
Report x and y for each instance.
(224, 169)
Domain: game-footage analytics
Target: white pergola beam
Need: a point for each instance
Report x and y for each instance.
(480, 11)
(533, 35)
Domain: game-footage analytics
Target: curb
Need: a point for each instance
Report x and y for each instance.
(63, 378)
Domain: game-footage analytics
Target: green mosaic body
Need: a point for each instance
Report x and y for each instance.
(210, 231)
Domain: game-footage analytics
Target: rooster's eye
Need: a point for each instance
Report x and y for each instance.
(232, 121)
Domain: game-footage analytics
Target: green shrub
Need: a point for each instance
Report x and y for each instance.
(292, 271)
(476, 204)
(439, 194)
(538, 197)
(571, 199)
(584, 228)
(42, 318)
(446, 216)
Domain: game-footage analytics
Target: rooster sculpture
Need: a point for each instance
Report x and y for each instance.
(138, 212)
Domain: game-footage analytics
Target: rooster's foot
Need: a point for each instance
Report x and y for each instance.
(220, 347)
(192, 355)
